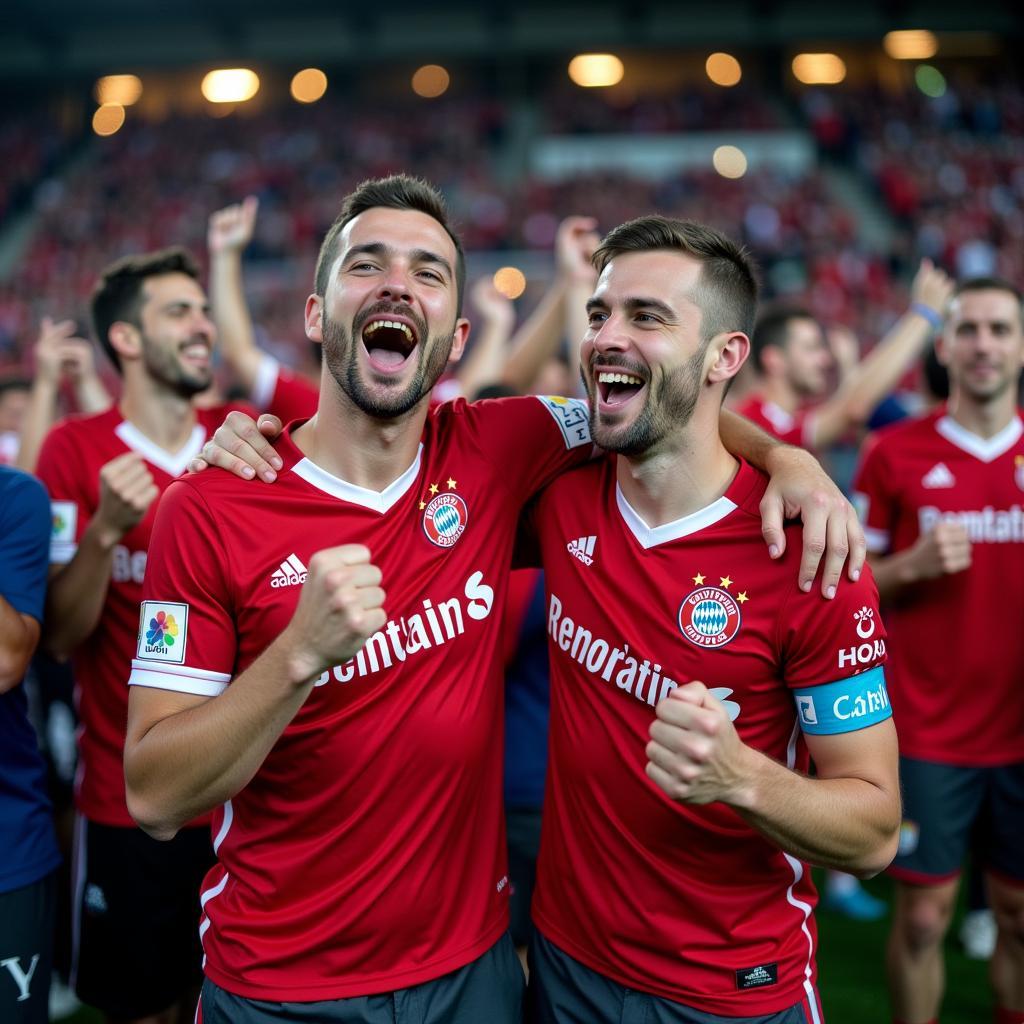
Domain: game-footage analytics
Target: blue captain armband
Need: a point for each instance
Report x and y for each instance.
(845, 705)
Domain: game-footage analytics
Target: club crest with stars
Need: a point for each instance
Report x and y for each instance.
(710, 616)
(445, 514)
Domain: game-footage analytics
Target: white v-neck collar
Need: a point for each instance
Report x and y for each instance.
(172, 463)
(651, 536)
(376, 501)
(986, 449)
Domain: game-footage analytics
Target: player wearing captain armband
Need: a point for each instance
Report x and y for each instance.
(680, 820)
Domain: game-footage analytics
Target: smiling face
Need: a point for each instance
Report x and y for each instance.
(644, 357)
(176, 333)
(388, 321)
(982, 346)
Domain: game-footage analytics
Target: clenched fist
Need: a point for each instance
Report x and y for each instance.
(127, 489)
(340, 606)
(695, 754)
(944, 550)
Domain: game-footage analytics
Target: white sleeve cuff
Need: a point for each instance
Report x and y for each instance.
(180, 678)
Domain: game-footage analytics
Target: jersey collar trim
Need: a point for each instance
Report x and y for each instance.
(376, 501)
(986, 449)
(172, 463)
(649, 537)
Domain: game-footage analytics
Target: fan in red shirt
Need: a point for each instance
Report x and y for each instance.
(942, 501)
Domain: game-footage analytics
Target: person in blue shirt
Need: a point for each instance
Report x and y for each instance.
(30, 857)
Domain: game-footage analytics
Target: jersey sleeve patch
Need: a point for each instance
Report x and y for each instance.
(163, 632)
(572, 418)
(845, 705)
(64, 516)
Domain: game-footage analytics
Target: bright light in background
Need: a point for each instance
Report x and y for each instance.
(231, 85)
(108, 119)
(596, 70)
(730, 161)
(911, 44)
(430, 81)
(723, 69)
(122, 89)
(510, 281)
(930, 81)
(818, 68)
(309, 85)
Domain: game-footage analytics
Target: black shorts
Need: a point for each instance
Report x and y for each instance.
(563, 991)
(949, 809)
(488, 989)
(26, 951)
(136, 948)
(522, 826)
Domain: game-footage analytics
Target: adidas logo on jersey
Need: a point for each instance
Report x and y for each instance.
(938, 476)
(290, 573)
(583, 549)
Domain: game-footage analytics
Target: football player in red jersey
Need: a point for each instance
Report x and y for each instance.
(135, 949)
(348, 735)
(692, 680)
(941, 498)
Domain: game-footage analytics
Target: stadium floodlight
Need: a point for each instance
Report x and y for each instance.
(596, 70)
(122, 89)
(430, 81)
(818, 68)
(108, 119)
(510, 281)
(230, 85)
(911, 44)
(723, 69)
(730, 161)
(308, 85)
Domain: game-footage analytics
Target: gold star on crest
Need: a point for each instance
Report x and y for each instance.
(742, 597)
(423, 505)
(698, 579)
(725, 581)
(451, 484)
(433, 488)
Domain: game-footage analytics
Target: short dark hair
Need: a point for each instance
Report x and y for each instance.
(727, 289)
(994, 284)
(118, 293)
(397, 192)
(772, 330)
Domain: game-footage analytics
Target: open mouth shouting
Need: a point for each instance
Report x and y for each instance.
(196, 353)
(389, 341)
(616, 388)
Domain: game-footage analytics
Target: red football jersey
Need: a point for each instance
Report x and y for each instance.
(793, 428)
(685, 902)
(70, 461)
(958, 656)
(284, 393)
(368, 852)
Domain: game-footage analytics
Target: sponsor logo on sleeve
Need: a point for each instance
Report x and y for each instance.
(571, 416)
(65, 520)
(163, 630)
